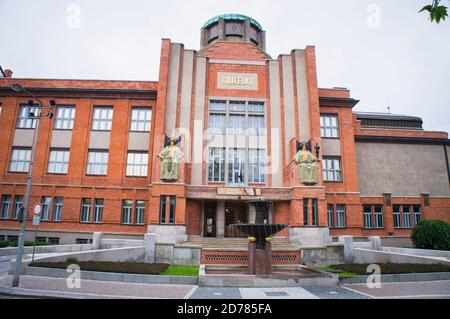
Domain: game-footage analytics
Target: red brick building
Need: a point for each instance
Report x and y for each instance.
(241, 115)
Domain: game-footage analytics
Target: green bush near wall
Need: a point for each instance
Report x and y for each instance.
(4, 243)
(431, 234)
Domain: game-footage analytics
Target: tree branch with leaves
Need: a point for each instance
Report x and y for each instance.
(437, 11)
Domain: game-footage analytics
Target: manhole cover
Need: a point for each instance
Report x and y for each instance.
(276, 293)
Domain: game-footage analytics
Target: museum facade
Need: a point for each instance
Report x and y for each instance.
(226, 135)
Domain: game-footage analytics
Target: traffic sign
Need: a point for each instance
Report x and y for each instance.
(37, 209)
(36, 220)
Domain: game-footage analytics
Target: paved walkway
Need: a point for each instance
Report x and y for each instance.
(56, 287)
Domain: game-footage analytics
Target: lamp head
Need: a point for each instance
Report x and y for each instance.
(17, 87)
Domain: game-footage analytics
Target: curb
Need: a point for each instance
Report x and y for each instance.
(412, 277)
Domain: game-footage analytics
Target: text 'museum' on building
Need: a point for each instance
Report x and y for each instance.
(227, 135)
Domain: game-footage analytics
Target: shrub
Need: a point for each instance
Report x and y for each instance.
(431, 234)
(71, 260)
(4, 243)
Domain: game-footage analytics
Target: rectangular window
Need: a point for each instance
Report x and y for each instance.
(85, 216)
(256, 107)
(332, 171)
(13, 240)
(237, 106)
(58, 161)
(330, 213)
(172, 210)
(417, 215)
(26, 114)
(341, 218)
(314, 216)
(216, 164)
(329, 127)
(236, 166)
(20, 160)
(98, 211)
(41, 240)
(397, 217)
(102, 118)
(140, 119)
(18, 203)
(305, 212)
(162, 209)
(97, 163)
(6, 204)
(407, 217)
(139, 214)
(57, 209)
(82, 241)
(256, 166)
(46, 202)
(236, 124)
(53, 241)
(256, 125)
(216, 105)
(64, 117)
(378, 214)
(137, 164)
(216, 123)
(127, 206)
(367, 216)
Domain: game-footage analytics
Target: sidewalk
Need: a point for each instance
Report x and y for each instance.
(57, 288)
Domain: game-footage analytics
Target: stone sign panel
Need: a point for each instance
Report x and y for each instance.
(237, 81)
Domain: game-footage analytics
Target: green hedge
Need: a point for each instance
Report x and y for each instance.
(431, 234)
(4, 243)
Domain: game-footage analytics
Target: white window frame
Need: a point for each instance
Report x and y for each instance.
(141, 119)
(332, 169)
(417, 214)
(99, 204)
(85, 214)
(6, 206)
(23, 120)
(102, 117)
(378, 216)
(127, 212)
(137, 164)
(18, 203)
(216, 155)
(58, 161)
(97, 163)
(20, 160)
(397, 216)
(58, 202)
(46, 202)
(64, 117)
(341, 218)
(139, 212)
(368, 221)
(330, 215)
(256, 160)
(329, 125)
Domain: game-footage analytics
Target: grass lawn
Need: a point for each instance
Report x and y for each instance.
(125, 267)
(356, 269)
(178, 270)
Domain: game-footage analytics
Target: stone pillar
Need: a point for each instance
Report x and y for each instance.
(96, 240)
(375, 242)
(150, 247)
(246, 33)
(204, 38)
(262, 40)
(221, 29)
(220, 219)
(347, 241)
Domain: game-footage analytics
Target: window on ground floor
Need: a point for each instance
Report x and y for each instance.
(404, 215)
(53, 240)
(310, 207)
(417, 214)
(85, 216)
(98, 210)
(373, 216)
(6, 204)
(18, 203)
(127, 206)
(341, 219)
(167, 206)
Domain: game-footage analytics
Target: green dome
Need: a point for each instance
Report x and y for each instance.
(232, 16)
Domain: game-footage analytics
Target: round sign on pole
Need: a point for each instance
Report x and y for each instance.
(37, 209)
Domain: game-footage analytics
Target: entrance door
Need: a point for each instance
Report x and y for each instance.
(209, 220)
(234, 214)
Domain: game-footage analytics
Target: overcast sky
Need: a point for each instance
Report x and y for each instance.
(382, 50)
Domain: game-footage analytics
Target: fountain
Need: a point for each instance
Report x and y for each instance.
(259, 245)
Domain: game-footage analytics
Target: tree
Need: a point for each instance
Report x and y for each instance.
(437, 11)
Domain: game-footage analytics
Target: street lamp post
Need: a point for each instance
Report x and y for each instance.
(24, 217)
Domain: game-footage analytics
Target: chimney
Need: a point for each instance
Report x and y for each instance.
(8, 73)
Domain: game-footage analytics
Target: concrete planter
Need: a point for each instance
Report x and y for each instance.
(109, 276)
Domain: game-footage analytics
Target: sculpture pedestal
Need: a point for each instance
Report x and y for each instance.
(259, 260)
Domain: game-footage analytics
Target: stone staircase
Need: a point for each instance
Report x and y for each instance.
(213, 243)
